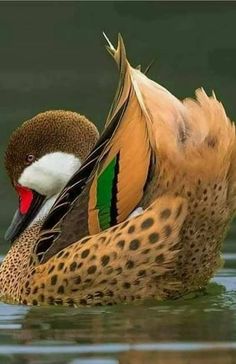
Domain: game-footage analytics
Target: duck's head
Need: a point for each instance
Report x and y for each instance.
(41, 157)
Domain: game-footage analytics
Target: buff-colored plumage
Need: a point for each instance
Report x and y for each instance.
(185, 182)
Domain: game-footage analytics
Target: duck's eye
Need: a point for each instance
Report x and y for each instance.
(30, 158)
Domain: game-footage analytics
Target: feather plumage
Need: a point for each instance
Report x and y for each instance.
(159, 144)
(173, 246)
(128, 138)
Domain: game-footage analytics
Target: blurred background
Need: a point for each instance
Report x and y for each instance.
(53, 57)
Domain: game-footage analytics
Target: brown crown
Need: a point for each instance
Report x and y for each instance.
(48, 132)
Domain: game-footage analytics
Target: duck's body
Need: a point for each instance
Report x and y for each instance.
(121, 264)
(185, 182)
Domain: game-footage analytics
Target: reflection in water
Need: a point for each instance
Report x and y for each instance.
(182, 320)
(196, 328)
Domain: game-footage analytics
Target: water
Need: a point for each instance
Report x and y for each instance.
(194, 328)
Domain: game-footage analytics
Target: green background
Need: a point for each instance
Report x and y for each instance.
(52, 56)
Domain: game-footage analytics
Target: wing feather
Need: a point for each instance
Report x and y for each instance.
(129, 134)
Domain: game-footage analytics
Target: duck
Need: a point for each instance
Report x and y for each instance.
(140, 212)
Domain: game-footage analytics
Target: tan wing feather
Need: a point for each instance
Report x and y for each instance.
(133, 139)
(132, 130)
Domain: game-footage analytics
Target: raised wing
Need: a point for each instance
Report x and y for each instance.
(112, 180)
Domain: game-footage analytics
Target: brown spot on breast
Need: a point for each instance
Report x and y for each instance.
(120, 244)
(126, 285)
(142, 273)
(92, 269)
(160, 259)
(105, 260)
(73, 266)
(147, 223)
(35, 290)
(131, 229)
(153, 238)
(61, 290)
(54, 280)
(165, 214)
(134, 244)
(78, 280)
(129, 264)
(60, 266)
(83, 302)
(85, 253)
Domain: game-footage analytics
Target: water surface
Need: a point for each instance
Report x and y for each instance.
(201, 328)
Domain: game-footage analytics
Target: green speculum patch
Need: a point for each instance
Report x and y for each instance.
(106, 194)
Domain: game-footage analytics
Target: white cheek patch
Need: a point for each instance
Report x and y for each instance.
(49, 174)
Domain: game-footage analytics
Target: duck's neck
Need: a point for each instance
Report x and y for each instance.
(17, 264)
